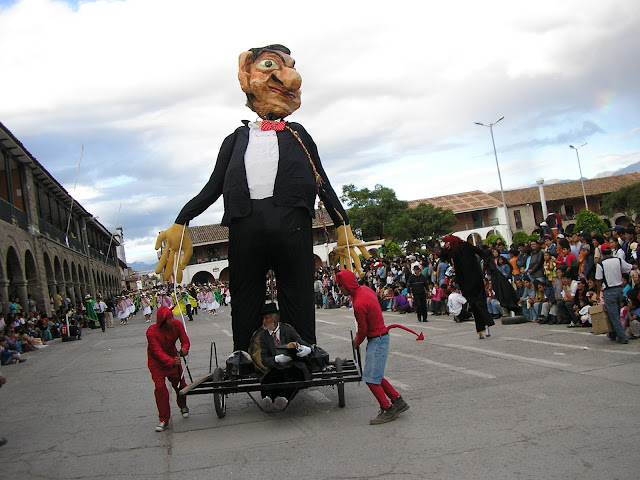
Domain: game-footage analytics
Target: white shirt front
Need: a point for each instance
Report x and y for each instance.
(261, 162)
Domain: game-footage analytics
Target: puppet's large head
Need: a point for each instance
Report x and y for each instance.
(269, 78)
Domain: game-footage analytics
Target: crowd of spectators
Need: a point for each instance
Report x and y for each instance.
(552, 274)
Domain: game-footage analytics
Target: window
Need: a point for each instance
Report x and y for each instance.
(569, 211)
(518, 218)
(476, 218)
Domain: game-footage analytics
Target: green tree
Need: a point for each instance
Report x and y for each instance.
(422, 225)
(493, 238)
(521, 237)
(391, 249)
(372, 211)
(625, 200)
(588, 221)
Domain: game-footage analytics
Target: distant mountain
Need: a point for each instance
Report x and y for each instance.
(141, 266)
(634, 167)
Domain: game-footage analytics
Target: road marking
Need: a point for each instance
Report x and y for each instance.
(326, 321)
(577, 347)
(335, 336)
(227, 333)
(215, 324)
(446, 366)
(538, 361)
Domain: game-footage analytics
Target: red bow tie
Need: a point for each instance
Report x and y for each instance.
(277, 126)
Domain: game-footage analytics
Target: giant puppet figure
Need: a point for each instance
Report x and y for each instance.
(269, 173)
(470, 278)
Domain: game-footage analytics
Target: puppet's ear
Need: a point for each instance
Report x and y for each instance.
(244, 62)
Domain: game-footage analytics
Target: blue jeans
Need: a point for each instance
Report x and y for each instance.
(376, 359)
(494, 306)
(613, 303)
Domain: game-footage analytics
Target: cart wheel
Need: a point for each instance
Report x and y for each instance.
(219, 399)
(340, 385)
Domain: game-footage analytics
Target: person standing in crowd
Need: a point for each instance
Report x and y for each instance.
(145, 304)
(122, 311)
(609, 274)
(371, 326)
(417, 288)
(470, 279)
(100, 308)
(108, 315)
(165, 363)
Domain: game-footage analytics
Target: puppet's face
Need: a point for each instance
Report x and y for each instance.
(271, 84)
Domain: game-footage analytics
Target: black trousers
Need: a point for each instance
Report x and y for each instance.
(478, 305)
(420, 304)
(279, 238)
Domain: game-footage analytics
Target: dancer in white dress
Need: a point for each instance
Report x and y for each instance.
(145, 304)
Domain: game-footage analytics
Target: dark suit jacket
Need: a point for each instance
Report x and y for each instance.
(263, 347)
(295, 184)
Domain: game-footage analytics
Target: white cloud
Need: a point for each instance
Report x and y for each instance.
(390, 92)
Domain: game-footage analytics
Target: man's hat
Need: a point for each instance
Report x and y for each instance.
(605, 246)
(269, 308)
(616, 228)
(416, 267)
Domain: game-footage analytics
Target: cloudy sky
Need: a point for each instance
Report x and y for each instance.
(391, 92)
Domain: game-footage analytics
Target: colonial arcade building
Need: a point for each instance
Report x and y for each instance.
(37, 257)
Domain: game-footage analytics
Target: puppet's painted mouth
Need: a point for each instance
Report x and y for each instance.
(284, 93)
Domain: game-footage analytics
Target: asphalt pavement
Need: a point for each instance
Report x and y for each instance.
(531, 402)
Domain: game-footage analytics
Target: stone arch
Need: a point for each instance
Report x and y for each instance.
(69, 292)
(475, 238)
(224, 275)
(33, 280)
(15, 275)
(203, 277)
(76, 281)
(50, 276)
(623, 221)
(373, 252)
(318, 261)
(568, 229)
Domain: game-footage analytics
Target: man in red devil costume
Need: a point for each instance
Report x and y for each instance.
(470, 279)
(164, 363)
(269, 173)
(368, 313)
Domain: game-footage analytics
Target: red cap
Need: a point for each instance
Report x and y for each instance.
(605, 246)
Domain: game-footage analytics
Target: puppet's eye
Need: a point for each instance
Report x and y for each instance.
(268, 64)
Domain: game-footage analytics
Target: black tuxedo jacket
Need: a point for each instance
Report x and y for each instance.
(295, 184)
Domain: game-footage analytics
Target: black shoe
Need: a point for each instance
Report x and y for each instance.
(399, 406)
(625, 341)
(612, 337)
(3, 441)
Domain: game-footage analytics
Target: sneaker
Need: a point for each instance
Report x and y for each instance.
(185, 412)
(266, 404)
(280, 403)
(385, 415)
(399, 406)
(162, 426)
(488, 332)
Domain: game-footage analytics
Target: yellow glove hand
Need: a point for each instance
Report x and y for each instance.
(345, 237)
(168, 259)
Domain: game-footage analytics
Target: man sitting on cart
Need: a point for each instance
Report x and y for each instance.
(271, 350)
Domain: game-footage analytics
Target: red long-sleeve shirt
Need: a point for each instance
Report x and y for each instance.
(366, 307)
(161, 348)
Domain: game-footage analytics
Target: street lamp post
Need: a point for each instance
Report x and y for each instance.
(504, 202)
(584, 192)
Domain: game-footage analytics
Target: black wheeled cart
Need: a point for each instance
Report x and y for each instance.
(336, 373)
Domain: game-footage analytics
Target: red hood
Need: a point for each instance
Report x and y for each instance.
(348, 281)
(163, 315)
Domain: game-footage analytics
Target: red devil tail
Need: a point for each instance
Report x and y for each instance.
(395, 325)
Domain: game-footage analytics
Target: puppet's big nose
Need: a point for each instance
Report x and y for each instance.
(291, 79)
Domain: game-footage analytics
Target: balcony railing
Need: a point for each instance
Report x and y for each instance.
(13, 215)
(491, 222)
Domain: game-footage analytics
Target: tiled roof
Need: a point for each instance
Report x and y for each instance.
(461, 202)
(208, 234)
(216, 233)
(560, 191)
